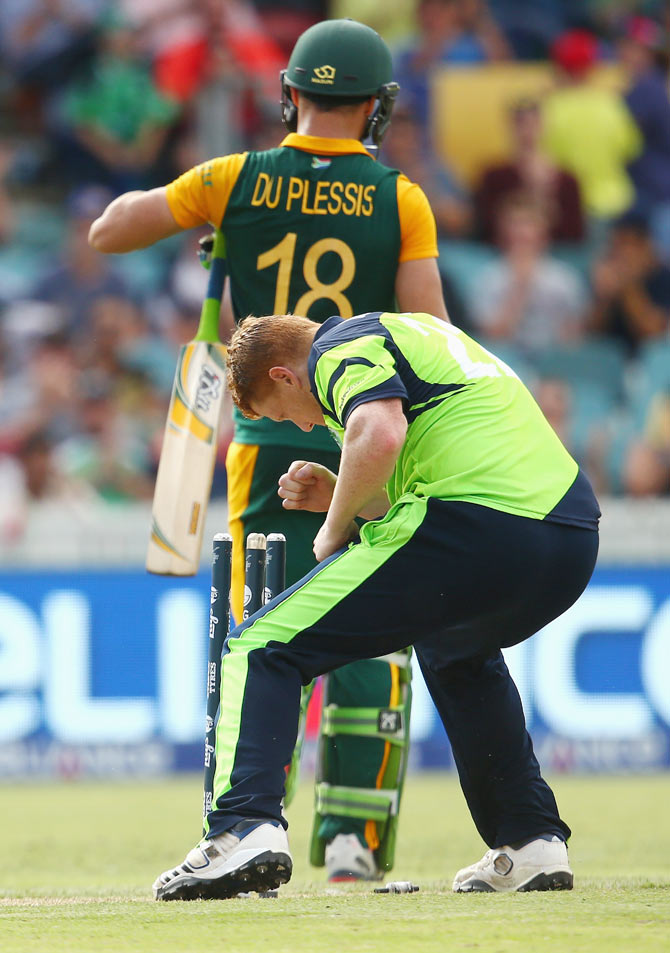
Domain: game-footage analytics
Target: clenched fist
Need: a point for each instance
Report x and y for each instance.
(307, 486)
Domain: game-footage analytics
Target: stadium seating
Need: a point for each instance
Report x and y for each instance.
(595, 370)
(594, 362)
(463, 261)
(652, 377)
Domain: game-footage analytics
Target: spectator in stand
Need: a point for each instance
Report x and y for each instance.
(7, 207)
(404, 149)
(477, 21)
(631, 288)
(285, 21)
(532, 171)
(30, 476)
(82, 275)
(447, 34)
(43, 42)
(254, 49)
(109, 449)
(35, 456)
(120, 345)
(115, 121)
(606, 17)
(646, 470)
(588, 130)
(586, 437)
(174, 36)
(394, 21)
(642, 54)
(529, 26)
(555, 401)
(527, 297)
(42, 395)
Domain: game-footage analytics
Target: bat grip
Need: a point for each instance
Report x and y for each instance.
(208, 329)
(217, 275)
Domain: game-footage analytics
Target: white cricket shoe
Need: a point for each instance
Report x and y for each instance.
(347, 859)
(252, 857)
(538, 865)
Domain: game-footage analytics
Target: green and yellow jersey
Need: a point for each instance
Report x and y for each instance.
(474, 434)
(310, 228)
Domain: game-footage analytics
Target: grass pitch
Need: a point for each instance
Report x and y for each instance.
(79, 860)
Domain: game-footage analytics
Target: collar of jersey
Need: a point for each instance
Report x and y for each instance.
(323, 146)
(315, 354)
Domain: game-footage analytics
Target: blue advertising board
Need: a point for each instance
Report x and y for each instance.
(102, 672)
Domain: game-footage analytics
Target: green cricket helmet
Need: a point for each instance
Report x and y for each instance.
(342, 59)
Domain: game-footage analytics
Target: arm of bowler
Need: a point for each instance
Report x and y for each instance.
(310, 486)
(307, 486)
(373, 438)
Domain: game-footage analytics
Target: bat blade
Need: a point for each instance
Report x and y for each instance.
(186, 465)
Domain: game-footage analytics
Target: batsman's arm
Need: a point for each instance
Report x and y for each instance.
(418, 287)
(373, 438)
(133, 220)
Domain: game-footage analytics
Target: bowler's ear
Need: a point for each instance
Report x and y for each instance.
(283, 375)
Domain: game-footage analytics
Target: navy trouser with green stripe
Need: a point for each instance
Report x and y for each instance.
(468, 580)
(255, 507)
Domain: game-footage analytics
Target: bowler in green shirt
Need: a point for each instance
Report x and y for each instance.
(481, 530)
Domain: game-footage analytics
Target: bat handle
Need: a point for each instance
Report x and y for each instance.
(217, 271)
(208, 329)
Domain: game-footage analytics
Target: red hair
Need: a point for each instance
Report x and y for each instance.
(259, 344)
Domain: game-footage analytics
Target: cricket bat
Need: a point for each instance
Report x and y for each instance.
(186, 465)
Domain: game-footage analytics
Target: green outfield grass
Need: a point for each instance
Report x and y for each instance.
(79, 860)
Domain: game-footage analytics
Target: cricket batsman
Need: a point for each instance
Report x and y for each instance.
(482, 529)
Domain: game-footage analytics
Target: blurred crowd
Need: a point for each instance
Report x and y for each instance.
(558, 257)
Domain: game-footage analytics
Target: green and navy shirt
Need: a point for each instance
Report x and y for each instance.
(474, 433)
